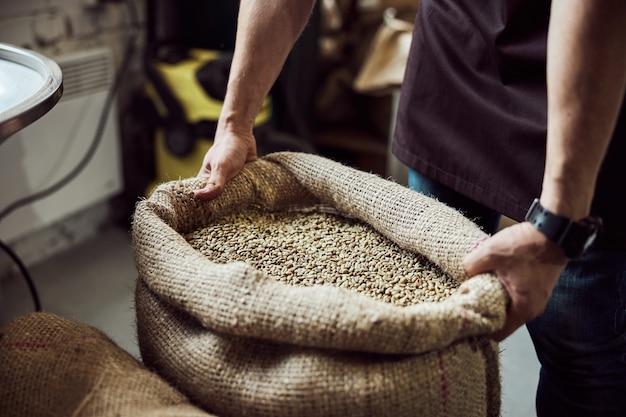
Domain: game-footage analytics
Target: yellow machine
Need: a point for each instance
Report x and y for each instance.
(188, 95)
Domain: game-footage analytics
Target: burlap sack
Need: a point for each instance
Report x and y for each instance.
(241, 343)
(50, 366)
(385, 63)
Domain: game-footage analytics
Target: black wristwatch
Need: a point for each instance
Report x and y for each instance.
(575, 237)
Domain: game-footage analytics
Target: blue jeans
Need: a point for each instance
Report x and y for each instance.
(487, 219)
(580, 338)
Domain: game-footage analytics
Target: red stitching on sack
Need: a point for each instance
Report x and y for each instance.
(25, 345)
(32, 346)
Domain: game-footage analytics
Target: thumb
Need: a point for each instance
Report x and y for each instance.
(214, 185)
(476, 261)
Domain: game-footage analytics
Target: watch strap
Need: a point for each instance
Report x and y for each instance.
(574, 237)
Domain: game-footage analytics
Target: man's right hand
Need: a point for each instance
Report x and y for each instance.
(266, 32)
(225, 159)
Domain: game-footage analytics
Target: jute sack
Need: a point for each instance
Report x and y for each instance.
(241, 343)
(51, 366)
(385, 63)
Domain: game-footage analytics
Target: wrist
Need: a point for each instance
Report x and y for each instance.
(566, 198)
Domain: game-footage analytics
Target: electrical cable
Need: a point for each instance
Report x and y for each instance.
(29, 281)
(125, 63)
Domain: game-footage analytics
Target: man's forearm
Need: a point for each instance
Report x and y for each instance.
(586, 79)
(266, 32)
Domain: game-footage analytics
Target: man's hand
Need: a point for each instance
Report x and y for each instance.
(266, 32)
(528, 266)
(224, 160)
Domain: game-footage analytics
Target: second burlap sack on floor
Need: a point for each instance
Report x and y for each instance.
(241, 343)
(51, 366)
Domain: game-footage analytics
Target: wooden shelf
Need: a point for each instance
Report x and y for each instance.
(355, 147)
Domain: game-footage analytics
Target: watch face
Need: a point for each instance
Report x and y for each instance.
(589, 242)
(574, 237)
(594, 226)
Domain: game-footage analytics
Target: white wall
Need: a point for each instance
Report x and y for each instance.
(57, 28)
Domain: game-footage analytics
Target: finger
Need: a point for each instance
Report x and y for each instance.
(516, 316)
(503, 333)
(209, 191)
(511, 325)
(477, 260)
(214, 185)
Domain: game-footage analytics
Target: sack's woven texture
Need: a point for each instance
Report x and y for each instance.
(51, 366)
(241, 343)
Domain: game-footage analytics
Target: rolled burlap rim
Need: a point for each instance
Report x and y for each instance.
(239, 300)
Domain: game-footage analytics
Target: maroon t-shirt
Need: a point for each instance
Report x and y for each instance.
(472, 112)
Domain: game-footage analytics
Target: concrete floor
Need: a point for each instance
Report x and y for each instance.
(93, 283)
